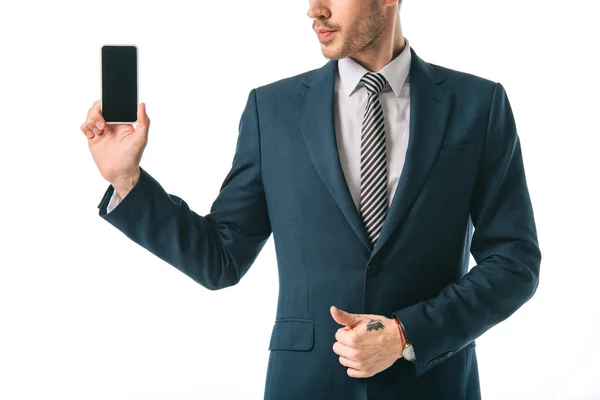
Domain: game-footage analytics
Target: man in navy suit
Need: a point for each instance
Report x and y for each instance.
(377, 174)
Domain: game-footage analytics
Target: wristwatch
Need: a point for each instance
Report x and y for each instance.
(408, 352)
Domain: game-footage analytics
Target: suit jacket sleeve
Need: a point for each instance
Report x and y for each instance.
(504, 246)
(215, 250)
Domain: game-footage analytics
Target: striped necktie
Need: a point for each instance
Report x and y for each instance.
(373, 163)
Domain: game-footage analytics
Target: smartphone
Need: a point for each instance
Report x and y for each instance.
(119, 83)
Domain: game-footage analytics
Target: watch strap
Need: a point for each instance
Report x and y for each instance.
(408, 351)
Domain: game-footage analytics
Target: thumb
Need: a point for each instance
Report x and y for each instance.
(345, 318)
(143, 122)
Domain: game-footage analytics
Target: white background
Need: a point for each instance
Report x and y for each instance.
(85, 313)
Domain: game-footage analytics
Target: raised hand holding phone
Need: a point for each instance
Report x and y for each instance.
(115, 144)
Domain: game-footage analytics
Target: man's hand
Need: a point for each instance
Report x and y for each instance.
(367, 344)
(117, 148)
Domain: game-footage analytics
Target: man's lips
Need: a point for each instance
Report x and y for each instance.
(324, 33)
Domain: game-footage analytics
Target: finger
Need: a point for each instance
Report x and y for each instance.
(86, 130)
(349, 363)
(346, 336)
(345, 351)
(99, 123)
(355, 373)
(95, 118)
(92, 127)
(95, 109)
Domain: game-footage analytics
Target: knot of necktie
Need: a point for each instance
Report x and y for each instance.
(374, 82)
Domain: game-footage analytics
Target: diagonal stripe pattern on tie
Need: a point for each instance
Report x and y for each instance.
(373, 163)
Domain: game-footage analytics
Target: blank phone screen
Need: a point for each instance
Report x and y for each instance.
(119, 83)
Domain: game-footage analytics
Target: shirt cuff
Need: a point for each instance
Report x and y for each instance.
(114, 201)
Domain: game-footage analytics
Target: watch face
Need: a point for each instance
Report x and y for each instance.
(409, 353)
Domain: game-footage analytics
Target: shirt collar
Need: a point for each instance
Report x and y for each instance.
(396, 71)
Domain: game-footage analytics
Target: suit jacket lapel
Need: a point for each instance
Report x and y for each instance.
(429, 111)
(428, 114)
(314, 104)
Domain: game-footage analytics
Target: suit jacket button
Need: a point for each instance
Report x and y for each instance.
(373, 270)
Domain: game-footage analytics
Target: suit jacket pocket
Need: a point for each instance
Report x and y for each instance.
(295, 334)
(458, 152)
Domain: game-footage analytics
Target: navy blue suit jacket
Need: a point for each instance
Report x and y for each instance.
(462, 189)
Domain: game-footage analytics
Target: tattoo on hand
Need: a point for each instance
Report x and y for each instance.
(374, 324)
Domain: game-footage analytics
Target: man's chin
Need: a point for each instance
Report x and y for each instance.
(331, 55)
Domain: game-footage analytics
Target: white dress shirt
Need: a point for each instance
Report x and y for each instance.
(349, 109)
